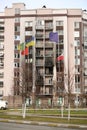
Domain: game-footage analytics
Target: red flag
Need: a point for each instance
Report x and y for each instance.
(25, 52)
(61, 57)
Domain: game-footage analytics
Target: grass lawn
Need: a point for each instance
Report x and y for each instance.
(55, 116)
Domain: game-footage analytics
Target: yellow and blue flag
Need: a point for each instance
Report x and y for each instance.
(30, 42)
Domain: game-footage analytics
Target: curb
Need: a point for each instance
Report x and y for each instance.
(44, 123)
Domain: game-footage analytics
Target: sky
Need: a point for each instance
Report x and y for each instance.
(34, 4)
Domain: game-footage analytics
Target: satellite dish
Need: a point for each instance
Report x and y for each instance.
(44, 6)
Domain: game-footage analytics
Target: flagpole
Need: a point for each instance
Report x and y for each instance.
(59, 61)
(77, 78)
(33, 88)
(53, 36)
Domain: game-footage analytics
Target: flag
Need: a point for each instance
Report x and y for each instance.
(30, 42)
(21, 46)
(61, 57)
(53, 36)
(24, 52)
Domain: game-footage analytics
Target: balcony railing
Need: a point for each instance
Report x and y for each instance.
(48, 55)
(39, 45)
(49, 83)
(48, 27)
(39, 27)
(1, 65)
(49, 64)
(44, 93)
(39, 64)
(49, 45)
(1, 55)
(39, 36)
(39, 83)
(39, 55)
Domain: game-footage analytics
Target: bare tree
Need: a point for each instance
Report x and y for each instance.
(23, 85)
(25, 82)
(65, 88)
(69, 81)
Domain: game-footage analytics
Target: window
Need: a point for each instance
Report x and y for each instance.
(16, 83)
(77, 70)
(28, 23)
(16, 47)
(49, 24)
(85, 54)
(16, 65)
(77, 52)
(1, 92)
(1, 83)
(17, 11)
(1, 74)
(17, 55)
(77, 79)
(59, 79)
(76, 25)
(76, 34)
(85, 72)
(60, 32)
(1, 46)
(76, 43)
(40, 22)
(17, 29)
(17, 37)
(59, 23)
(85, 63)
(17, 20)
(77, 61)
(16, 74)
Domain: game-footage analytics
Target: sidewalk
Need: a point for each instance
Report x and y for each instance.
(44, 123)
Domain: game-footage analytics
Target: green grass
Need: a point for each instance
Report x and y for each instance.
(56, 113)
(74, 113)
(45, 119)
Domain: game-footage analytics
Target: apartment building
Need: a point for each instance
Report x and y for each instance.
(51, 78)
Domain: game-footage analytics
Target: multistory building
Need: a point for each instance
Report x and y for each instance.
(51, 77)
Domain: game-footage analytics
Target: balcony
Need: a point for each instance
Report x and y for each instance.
(48, 83)
(39, 83)
(1, 46)
(39, 36)
(1, 75)
(39, 80)
(1, 38)
(39, 55)
(1, 84)
(47, 36)
(1, 29)
(49, 74)
(1, 65)
(48, 62)
(49, 45)
(44, 93)
(39, 45)
(40, 63)
(1, 55)
(48, 55)
(49, 27)
(1, 93)
(39, 27)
